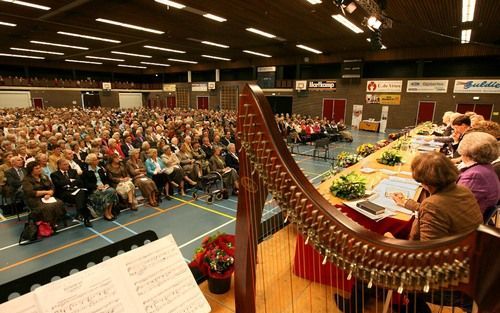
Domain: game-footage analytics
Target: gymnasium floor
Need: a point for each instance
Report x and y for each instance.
(188, 220)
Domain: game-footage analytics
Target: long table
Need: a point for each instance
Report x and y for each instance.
(308, 262)
(369, 125)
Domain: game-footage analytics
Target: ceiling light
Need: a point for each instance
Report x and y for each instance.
(145, 29)
(132, 54)
(468, 7)
(164, 49)
(257, 53)
(183, 61)
(259, 32)
(131, 66)
(214, 17)
(373, 22)
(106, 59)
(466, 33)
(314, 1)
(86, 62)
(58, 45)
(157, 64)
(309, 49)
(214, 57)
(28, 4)
(20, 56)
(8, 24)
(171, 4)
(214, 44)
(89, 37)
(342, 20)
(37, 51)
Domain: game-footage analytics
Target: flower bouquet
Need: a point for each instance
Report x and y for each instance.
(390, 157)
(215, 256)
(382, 143)
(350, 186)
(346, 159)
(365, 149)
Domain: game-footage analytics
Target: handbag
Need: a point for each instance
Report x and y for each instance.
(44, 229)
(29, 233)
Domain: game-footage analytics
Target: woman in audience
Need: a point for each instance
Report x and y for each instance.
(114, 149)
(121, 181)
(101, 195)
(200, 157)
(155, 169)
(188, 163)
(42, 160)
(450, 209)
(38, 194)
(478, 150)
(229, 175)
(137, 171)
(54, 157)
(145, 147)
(174, 170)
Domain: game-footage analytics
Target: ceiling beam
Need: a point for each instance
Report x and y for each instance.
(67, 7)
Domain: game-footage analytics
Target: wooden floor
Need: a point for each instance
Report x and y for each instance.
(279, 290)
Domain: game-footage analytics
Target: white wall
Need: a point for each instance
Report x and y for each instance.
(130, 100)
(15, 99)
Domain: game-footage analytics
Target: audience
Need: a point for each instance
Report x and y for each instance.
(137, 171)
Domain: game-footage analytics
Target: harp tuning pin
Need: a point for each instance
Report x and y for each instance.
(426, 287)
(307, 240)
(286, 218)
(324, 260)
(370, 283)
(400, 288)
(350, 275)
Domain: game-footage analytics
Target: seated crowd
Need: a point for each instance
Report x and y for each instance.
(306, 129)
(95, 159)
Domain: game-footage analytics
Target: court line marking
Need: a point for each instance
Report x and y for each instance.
(68, 245)
(224, 207)
(204, 208)
(99, 234)
(206, 233)
(125, 227)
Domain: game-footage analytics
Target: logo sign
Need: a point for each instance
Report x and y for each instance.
(265, 69)
(384, 85)
(383, 99)
(427, 86)
(211, 85)
(199, 87)
(169, 87)
(301, 84)
(477, 86)
(326, 85)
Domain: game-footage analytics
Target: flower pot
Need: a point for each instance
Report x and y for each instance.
(219, 285)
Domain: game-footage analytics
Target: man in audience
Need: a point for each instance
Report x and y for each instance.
(207, 147)
(232, 159)
(70, 157)
(14, 177)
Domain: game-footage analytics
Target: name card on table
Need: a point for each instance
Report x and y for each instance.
(151, 279)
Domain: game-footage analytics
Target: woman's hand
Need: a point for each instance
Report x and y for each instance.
(49, 193)
(399, 198)
(46, 197)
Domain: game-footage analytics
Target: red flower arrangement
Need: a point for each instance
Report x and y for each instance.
(215, 257)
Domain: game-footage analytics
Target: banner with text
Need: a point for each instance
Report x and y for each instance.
(383, 99)
(199, 87)
(384, 85)
(169, 87)
(326, 85)
(430, 86)
(476, 86)
(357, 115)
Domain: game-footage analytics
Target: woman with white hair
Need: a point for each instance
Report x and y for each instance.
(478, 150)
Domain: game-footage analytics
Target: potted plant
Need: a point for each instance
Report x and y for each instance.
(350, 186)
(390, 157)
(215, 260)
(346, 159)
(365, 149)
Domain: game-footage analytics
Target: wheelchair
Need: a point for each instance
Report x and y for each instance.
(213, 186)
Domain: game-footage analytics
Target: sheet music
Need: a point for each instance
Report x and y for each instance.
(95, 290)
(394, 184)
(23, 304)
(160, 279)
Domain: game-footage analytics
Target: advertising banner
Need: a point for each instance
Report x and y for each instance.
(326, 85)
(477, 86)
(427, 86)
(384, 85)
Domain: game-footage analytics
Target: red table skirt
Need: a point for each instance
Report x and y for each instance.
(308, 262)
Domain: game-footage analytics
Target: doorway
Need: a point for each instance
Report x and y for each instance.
(280, 104)
(171, 102)
(91, 100)
(334, 109)
(425, 111)
(38, 103)
(202, 102)
(482, 109)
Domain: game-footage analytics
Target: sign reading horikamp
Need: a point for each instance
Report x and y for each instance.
(325, 85)
(427, 86)
(477, 86)
(384, 85)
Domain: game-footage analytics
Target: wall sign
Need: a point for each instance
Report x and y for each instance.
(106, 85)
(199, 87)
(211, 85)
(383, 99)
(169, 87)
(300, 84)
(265, 69)
(325, 85)
(357, 115)
(427, 86)
(476, 86)
(384, 85)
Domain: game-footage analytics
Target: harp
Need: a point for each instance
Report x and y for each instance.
(461, 264)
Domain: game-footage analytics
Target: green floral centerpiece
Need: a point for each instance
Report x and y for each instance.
(390, 157)
(346, 159)
(401, 142)
(350, 186)
(365, 149)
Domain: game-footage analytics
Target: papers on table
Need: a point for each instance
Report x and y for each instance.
(381, 196)
(151, 279)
